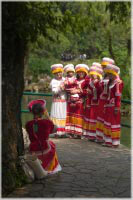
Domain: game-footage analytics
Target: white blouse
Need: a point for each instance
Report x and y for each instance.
(55, 86)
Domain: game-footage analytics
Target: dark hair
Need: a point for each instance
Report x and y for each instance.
(37, 109)
(77, 75)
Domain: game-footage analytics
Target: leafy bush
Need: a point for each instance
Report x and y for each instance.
(126, 94)
(41, 65)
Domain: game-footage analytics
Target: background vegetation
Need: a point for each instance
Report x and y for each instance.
(97, 29)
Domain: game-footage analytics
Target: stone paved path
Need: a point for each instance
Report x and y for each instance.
(89, 170)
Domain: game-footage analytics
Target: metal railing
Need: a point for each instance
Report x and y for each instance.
(48, 95)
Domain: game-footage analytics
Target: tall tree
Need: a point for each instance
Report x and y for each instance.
(21, 24)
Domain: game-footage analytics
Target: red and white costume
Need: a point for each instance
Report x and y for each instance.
(70, 84)
(113, 101)
(102, 100)
(74, 121)
(40, 144)
(102, 87)
(58, 108)
(92, 102)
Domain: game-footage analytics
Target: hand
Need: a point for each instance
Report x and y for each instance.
(75, 91)
(95, 80)
(88, 91)
(62, 87)
(104, 110)
(119, 81)
(65, 82)
(33, 153)
(116, 111)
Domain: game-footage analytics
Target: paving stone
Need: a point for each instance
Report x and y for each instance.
(57, 188)
(124, 194)
(34, 187)
(62, 194)
(34, 194)
(122, 188)
(47, 194)
(87, 195)
(18, 192)
(106, 192)
(74, 193)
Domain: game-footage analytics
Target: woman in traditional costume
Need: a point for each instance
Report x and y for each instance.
(38, 130)
(58, 108)
(102, 99)
(112, 106)
(92, 101)
(74, 121)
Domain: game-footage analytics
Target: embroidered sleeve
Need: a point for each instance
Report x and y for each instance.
(85, 84)
(55, 87)
(99, 86)
(83, 88)
(118, 93)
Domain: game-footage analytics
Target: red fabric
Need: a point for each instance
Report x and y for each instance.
(102, 99)
(114, 94)
(119, 88)
(45, 127)
(84, 86)
(90, 96)
(91, 107)
(46, 158)
(110, 118)
(74, 114)
(40, 101)
(70, 84)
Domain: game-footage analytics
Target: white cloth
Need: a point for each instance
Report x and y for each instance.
(55, 86)
(58, 108)
(33, 164)
(26, 139)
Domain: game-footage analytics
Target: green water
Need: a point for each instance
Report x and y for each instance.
(25, 100)
(125, 132)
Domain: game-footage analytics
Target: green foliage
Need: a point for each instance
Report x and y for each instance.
(126, 94)
(99, 29)
(119, 11)
(40, 65)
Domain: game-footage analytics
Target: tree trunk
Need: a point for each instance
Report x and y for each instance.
(13, 53)
(110, 47)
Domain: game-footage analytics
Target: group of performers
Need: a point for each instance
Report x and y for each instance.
(86, 102)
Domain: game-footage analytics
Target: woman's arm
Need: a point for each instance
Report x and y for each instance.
(55, 87)
(118, 93)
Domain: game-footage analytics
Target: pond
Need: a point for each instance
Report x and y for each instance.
(125, 132)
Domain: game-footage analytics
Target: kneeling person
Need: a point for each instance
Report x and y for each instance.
(38, 130)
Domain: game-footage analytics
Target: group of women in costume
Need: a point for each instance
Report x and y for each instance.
(85, 104)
